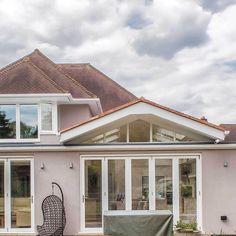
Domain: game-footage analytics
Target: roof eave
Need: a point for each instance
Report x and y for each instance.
(143, 108)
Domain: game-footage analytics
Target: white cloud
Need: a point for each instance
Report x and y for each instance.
(180, 53)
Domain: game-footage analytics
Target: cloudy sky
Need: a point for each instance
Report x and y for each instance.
(179, 53)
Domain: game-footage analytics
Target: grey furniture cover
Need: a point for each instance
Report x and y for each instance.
(138, 223)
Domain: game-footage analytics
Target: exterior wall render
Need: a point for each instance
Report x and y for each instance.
(49, 139)
(218, 186)
(70, 115)
(219, 191)
(57, 169)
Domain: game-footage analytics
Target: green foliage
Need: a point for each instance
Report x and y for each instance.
(186, 191)
(182, 225)
(7, 128)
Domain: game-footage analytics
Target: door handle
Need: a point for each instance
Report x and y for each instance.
(84, 197)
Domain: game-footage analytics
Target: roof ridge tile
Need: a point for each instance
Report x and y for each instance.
(46, 77)
(61, 71)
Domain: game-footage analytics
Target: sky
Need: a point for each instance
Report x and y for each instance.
(178, 53)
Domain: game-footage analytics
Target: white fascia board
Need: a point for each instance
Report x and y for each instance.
(94, 103)
(36, 98)
(140, 109)
(60, 98)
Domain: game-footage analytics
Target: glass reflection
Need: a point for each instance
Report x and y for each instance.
(2, 205)
(164, 189)
(116, 184)
(7, 121)
(139, 131)
(46, 116)
(93, 194)
(140, 185)
(20, 194)
(28, 121)
(187, 188)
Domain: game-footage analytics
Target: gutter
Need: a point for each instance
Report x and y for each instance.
(111, 147)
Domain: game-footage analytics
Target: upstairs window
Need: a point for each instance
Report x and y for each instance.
(7, 121)
(46, 116)
(24, 122)
(18, 122)
(28, 121)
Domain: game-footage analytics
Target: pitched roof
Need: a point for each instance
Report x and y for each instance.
(26, 78)
(152, 104)
(110, 93)
(231, 137)
(35, 73)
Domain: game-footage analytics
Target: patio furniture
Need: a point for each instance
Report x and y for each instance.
(54, 219)
(23, 218)
(138, 223)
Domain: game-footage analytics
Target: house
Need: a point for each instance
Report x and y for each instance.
(108, 150)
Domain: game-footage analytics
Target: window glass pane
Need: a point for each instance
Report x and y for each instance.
(187, 189)
(20, 194)
(140, 185)
(29, 121)
(116, 135)
(2, 203)
(164, 190)
(46, 116)
(7, 121)
(93, 194)
(139, 131)
(116, 184)
(162, 135)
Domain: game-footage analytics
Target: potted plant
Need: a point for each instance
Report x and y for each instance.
(186, 229)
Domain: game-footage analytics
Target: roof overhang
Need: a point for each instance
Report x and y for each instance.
(144, 108)
(59, 98)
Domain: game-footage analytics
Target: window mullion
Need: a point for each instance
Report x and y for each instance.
(175, 170)
(17, 121)
(127, 133)
(152, 194)
(128, 184)
(39, 118)
(54, 118)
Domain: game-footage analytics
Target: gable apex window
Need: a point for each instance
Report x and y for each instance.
(138, 131)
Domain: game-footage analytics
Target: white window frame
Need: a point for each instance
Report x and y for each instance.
(54, 119)
(7, 194)
(128, 181)
(54, 130)
(18, 139)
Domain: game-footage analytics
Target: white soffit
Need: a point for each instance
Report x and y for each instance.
(60, 98)
(141, 108)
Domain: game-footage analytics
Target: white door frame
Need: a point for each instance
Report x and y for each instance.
(128, 181)
(82, 195)
(7, 194)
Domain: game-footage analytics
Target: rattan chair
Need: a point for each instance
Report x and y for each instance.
(54, 218)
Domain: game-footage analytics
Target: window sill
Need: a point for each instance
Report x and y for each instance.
(48, 132)
(20, 140)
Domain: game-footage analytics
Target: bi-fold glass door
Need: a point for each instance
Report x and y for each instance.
(140, 183)
(2, 195)
(16, 195)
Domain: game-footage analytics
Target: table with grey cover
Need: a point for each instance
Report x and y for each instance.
(138, 223)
